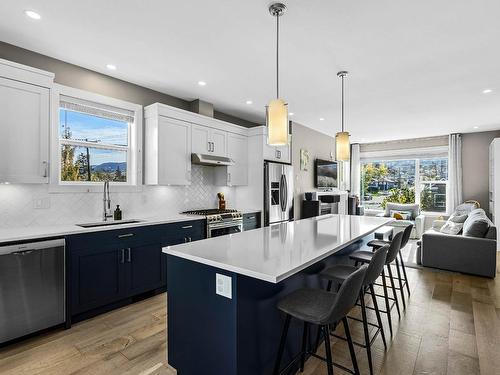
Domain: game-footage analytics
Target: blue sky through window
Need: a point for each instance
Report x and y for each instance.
(84, 126)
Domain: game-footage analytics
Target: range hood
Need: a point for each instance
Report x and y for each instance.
(211, 160)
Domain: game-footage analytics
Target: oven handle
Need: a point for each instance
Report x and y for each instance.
(226, 225)
(214, 227)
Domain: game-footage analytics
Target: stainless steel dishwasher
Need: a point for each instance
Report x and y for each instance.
(32, 287)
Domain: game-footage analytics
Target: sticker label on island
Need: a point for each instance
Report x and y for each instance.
(223, 286)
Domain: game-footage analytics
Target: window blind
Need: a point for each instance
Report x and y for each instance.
(96, 109)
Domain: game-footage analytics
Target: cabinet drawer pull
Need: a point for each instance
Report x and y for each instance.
(187, 226)
(126, 235)
(45, 169)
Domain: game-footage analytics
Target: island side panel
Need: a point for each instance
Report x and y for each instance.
(260, 322)
(201, 324)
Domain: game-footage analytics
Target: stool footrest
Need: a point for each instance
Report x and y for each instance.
(333, 363)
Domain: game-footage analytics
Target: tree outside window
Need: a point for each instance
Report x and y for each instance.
(423, 181)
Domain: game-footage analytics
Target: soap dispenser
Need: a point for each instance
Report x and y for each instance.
(118, 213)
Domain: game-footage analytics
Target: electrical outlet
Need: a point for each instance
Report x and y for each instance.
(41, 203)
(223, 286)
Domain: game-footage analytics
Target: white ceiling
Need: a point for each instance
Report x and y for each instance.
(417, 68)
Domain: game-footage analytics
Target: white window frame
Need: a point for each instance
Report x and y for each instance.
(413, 154)
(134, 150)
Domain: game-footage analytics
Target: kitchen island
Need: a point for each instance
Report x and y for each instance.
(222, 292)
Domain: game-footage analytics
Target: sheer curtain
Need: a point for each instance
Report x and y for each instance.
(454, 171)
(355, 170)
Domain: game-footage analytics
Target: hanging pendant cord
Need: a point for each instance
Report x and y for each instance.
(277, 56)
(342, 103)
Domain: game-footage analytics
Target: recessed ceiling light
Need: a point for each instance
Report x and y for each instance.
(475, 127)
(291, 113)
(487, 91)
(321, 119)
(202, 83)
(249, 102)
(111, 66)
(32, 14)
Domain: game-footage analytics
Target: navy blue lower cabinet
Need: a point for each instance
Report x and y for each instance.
(146, 267)
(108, 269)
(251, 221)
(211, 334)
(97, 277)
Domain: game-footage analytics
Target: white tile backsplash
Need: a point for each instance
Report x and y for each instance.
(33, 205)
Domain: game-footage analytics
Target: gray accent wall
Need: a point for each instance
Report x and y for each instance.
(320, 146)
(85, 79)
(475, 164)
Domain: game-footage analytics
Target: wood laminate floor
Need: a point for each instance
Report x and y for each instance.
(451, 326)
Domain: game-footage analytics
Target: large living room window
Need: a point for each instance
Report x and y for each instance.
(415, 180)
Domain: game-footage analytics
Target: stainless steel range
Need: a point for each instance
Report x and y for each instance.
(220, 222)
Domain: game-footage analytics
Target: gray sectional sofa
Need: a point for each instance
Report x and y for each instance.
(473, 250)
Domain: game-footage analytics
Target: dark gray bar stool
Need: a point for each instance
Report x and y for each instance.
(339, 273)
(366, 256)
(324, 309)
(403, 281)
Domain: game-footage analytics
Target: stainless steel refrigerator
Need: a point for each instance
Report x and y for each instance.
(278, 193)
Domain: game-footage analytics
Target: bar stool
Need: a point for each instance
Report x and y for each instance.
(338, 274)
(364, 256)
(324, 309)
(404, 241)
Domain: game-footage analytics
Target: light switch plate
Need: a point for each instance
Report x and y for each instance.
(223, 286)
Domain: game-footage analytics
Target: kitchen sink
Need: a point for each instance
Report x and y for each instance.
(108, 223)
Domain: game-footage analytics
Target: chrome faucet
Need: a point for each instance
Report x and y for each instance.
(106, 202)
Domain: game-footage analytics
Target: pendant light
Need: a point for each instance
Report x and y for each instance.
(342, 146)
(277, 110)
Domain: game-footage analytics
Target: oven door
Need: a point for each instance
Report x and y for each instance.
(223, 229)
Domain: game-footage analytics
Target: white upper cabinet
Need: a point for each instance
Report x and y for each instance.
(277, 153)
(24, 123)
(200, 139)
(168, 152)
(219, 142)
(173, 134)
(234, 175)
(206, 140)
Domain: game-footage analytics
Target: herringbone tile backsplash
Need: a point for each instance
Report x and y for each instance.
(17, 202)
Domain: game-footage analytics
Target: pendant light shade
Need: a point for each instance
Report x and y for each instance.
(277, 123)
(342, 144)
(277, 110)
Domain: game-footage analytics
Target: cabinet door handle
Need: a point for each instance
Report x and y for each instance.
(251, 217)
(187, 226)
(122, 260)
(208, 146)
(129, 255)
(45, 168)
(126, 235)
(229, 177)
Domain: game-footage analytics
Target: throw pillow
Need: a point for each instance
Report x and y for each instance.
(451, 227)
(456, 218)
(477, 224)
(400, 215)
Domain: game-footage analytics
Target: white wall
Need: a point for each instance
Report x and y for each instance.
(17, 202)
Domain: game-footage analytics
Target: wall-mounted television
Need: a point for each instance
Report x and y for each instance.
(326, 174)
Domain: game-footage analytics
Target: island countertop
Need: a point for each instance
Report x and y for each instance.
(276, 252)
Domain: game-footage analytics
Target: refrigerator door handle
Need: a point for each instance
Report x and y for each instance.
(284, 193)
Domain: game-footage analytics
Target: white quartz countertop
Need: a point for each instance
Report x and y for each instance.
(37, 232)
(276, 252)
